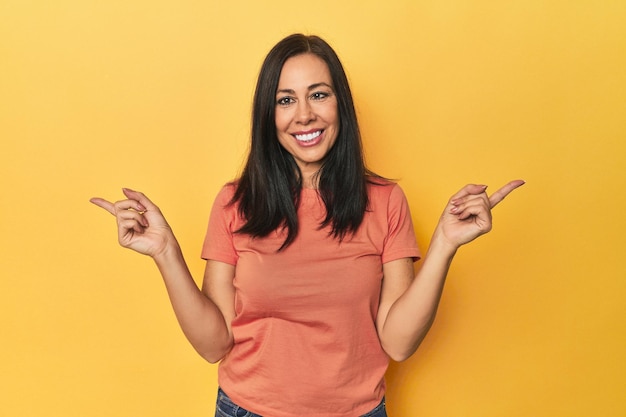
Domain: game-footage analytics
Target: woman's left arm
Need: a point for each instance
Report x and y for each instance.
(408, 304)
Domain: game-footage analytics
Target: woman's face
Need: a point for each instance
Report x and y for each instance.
(307, 122)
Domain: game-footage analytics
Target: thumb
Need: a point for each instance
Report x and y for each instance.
(141, 199)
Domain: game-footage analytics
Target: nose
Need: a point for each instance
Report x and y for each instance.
(304, 113)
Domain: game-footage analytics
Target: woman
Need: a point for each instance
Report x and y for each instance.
(309, 286)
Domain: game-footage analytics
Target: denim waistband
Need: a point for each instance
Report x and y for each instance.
(225, 407)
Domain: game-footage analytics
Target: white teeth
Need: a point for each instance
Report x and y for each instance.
(308, 137)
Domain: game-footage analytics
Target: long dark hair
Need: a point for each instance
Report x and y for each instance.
(268, 191)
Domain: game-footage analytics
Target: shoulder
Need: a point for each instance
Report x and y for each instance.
(226, 193)
(223, 202)
(381, 190)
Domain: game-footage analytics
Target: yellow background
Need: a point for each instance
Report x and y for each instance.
(156, 95)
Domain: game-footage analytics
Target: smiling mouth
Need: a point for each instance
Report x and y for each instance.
(308, 137)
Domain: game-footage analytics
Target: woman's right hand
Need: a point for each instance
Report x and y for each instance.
(140, 224)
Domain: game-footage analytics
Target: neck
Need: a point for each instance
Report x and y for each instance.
(310, 177)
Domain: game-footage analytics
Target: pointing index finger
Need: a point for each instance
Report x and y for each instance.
(499, 195)
(101, 202)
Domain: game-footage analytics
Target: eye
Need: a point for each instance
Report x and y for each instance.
(285, 101)
(319, 95)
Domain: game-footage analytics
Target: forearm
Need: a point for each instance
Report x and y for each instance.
(404, 324)
(199, 317)
(413, 313)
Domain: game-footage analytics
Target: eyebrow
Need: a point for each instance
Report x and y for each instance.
(311, 87)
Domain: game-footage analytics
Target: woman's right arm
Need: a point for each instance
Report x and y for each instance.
(204, 315)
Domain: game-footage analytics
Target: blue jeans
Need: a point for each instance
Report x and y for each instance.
(225, 407)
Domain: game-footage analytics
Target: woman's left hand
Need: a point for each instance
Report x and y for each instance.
(468, 213)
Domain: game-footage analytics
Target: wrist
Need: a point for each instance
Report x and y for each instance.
(443, 246)
(169, 253)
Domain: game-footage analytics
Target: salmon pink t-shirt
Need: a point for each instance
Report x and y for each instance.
(305, 340)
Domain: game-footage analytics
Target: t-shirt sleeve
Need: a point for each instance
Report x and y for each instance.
(400, 241)
(218, 242)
